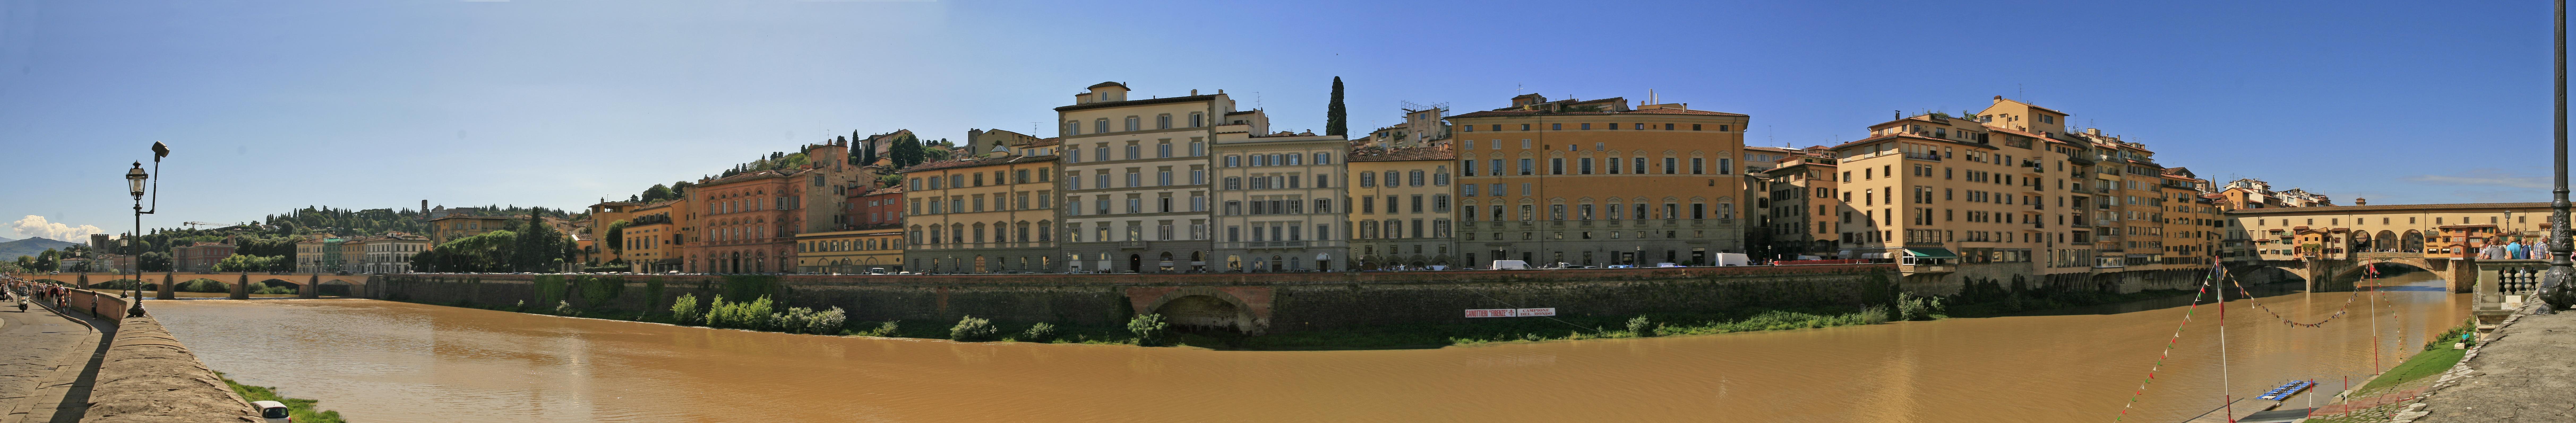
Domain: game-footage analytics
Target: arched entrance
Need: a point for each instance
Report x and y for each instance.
(2413, 241)
(1136, 263)
(336, 287)
(979, 264)
(1203, 312)
(2385, 242)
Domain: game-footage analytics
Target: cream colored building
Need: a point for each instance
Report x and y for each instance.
(990, 214)
(1401, 209)
(851, 252)
(1135, 186)
(1279, 203)
(388, 254)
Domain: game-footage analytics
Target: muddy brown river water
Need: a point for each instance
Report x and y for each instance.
(387, 362)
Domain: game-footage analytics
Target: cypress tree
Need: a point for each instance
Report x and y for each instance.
(1337, 119)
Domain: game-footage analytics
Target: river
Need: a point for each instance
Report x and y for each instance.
(388, 362)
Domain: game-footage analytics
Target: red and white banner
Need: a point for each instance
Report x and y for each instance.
(1511, 312)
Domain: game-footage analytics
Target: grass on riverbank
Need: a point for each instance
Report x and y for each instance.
(2422, 365)
(2437, 357)
(300, 409)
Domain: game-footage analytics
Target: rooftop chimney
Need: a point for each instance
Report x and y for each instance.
(2360, 201)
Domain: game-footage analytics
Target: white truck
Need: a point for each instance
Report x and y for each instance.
(1733, 259)
(1509, 265)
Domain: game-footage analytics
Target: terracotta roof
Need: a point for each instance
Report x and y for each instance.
(658, 204)
(1511, 113)
(2379, 207)
(1106, 104)
(1042, 142)
(1106, 84)
(1776, 149)
(1914, 137)
(985, 161)
(2019, 132)
(1401, 154)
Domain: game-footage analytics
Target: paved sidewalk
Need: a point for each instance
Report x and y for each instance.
(2526, 374)
(43, 360)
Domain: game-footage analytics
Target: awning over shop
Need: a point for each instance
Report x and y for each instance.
(1932, 253)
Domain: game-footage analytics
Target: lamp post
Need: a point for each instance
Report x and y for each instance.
(134, 183)
(2554, 290)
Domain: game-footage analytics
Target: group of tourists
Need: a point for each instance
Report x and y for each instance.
(2515, 250)
(22, 290)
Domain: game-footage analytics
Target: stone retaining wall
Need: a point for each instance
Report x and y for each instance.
(149, 377)
(1283, 301)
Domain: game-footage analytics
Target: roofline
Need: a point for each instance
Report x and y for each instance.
(1912, 136)
(2388, 207)
(1716, 114)
(1109, 104)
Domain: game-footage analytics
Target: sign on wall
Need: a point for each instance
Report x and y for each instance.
(1512, 312)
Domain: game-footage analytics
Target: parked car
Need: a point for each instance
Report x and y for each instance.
(272, 411)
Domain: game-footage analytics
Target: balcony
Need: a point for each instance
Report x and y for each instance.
(2502, 287)
(1923, 156)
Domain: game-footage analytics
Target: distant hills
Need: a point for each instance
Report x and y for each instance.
(5, 239)
(29, 247)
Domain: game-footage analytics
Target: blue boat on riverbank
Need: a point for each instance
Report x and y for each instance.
(2286, 390)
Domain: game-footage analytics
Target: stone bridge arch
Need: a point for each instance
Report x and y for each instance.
(1237, 309)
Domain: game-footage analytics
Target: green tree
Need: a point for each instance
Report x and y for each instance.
(906, 151)
(615, 239)
(248, 263)
(539, 246)
(933, 154)
(46, 261)
(1337, 119)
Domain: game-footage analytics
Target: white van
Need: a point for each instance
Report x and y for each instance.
(1733, 259)
(1509, 265)
(272, 411)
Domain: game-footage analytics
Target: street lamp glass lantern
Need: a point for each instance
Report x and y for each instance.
(134, 180)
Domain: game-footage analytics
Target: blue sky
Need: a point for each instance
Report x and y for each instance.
(278, 105)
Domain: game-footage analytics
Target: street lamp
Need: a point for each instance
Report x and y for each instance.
(134, 179)
(134, 184)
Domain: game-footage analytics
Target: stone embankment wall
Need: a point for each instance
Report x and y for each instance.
(2129, 281)
(148, 376)
(1288, 301)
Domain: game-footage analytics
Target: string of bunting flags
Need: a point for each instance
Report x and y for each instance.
(2369, 273)
(2170, 344)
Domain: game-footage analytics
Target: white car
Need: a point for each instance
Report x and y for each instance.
(272, 411)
